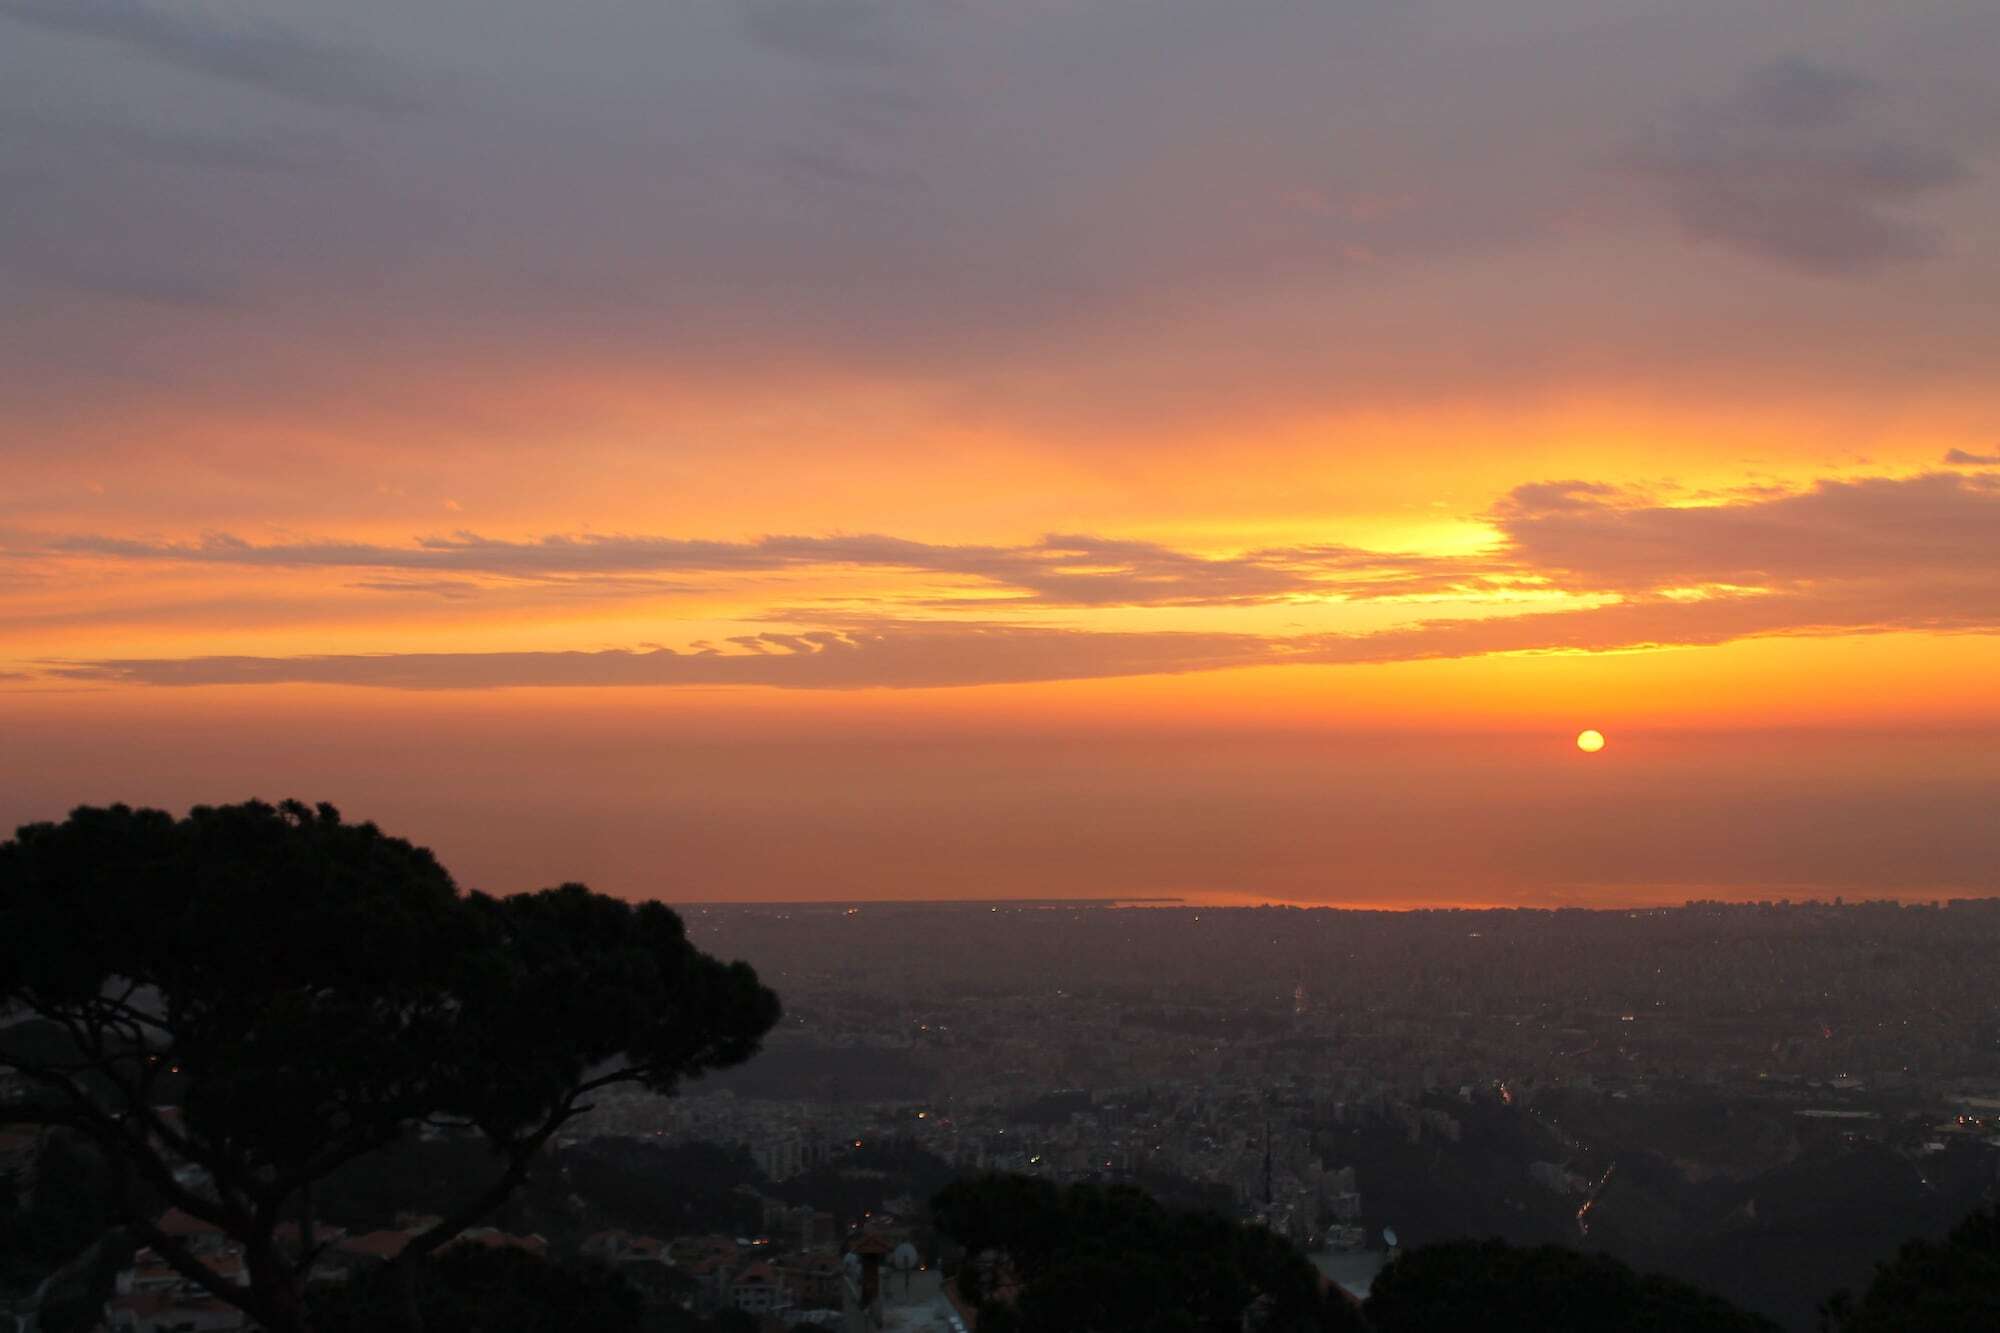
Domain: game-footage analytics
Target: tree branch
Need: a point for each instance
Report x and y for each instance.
(180, 1258)
(520, 1154)
(629, 1074)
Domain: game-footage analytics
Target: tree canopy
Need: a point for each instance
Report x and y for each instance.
(1544, 1288)
(1109, 1259)
(234, 1004)
(1931, 1287)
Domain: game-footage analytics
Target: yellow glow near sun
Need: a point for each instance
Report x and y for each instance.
(1590, 742)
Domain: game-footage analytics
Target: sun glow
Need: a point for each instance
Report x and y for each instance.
(1590, 742)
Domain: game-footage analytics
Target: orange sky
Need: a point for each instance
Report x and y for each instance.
(850, 451)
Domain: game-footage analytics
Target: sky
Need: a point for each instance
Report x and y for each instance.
(822, 449)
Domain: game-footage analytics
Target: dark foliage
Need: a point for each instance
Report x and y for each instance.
(61, 1227)
(1098, 1259)
(1491, 1285)
(409, 1176)
(665, 1190)
(1952, 1287)
(68, 1208)
(304, 991)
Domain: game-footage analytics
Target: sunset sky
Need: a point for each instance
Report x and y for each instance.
(730, 449)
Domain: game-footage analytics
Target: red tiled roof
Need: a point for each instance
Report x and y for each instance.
(177, 1223)
(495, 1239)
(376, 1244)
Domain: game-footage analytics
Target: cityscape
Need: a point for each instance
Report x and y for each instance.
(1780, 1096)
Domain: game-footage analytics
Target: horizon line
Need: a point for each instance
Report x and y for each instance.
(1155, 902)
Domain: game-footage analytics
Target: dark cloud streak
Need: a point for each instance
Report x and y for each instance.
(1793, 168)
(932, 655)
(263, 54)
(898, 656)
(1059, 570)
(1922, 529)
(1862, 556)
(832, 32)
(1581, 537)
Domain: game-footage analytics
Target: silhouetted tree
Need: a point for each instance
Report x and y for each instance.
(1952, 1287)
(1098, 1259)
(1494, 1286)
(667, 1189)
(68, 1208)
(253, 996)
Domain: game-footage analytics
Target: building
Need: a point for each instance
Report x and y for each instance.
(758, 1290)
(780, 1158)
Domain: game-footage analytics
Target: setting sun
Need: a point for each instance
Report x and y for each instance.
(837, 532)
